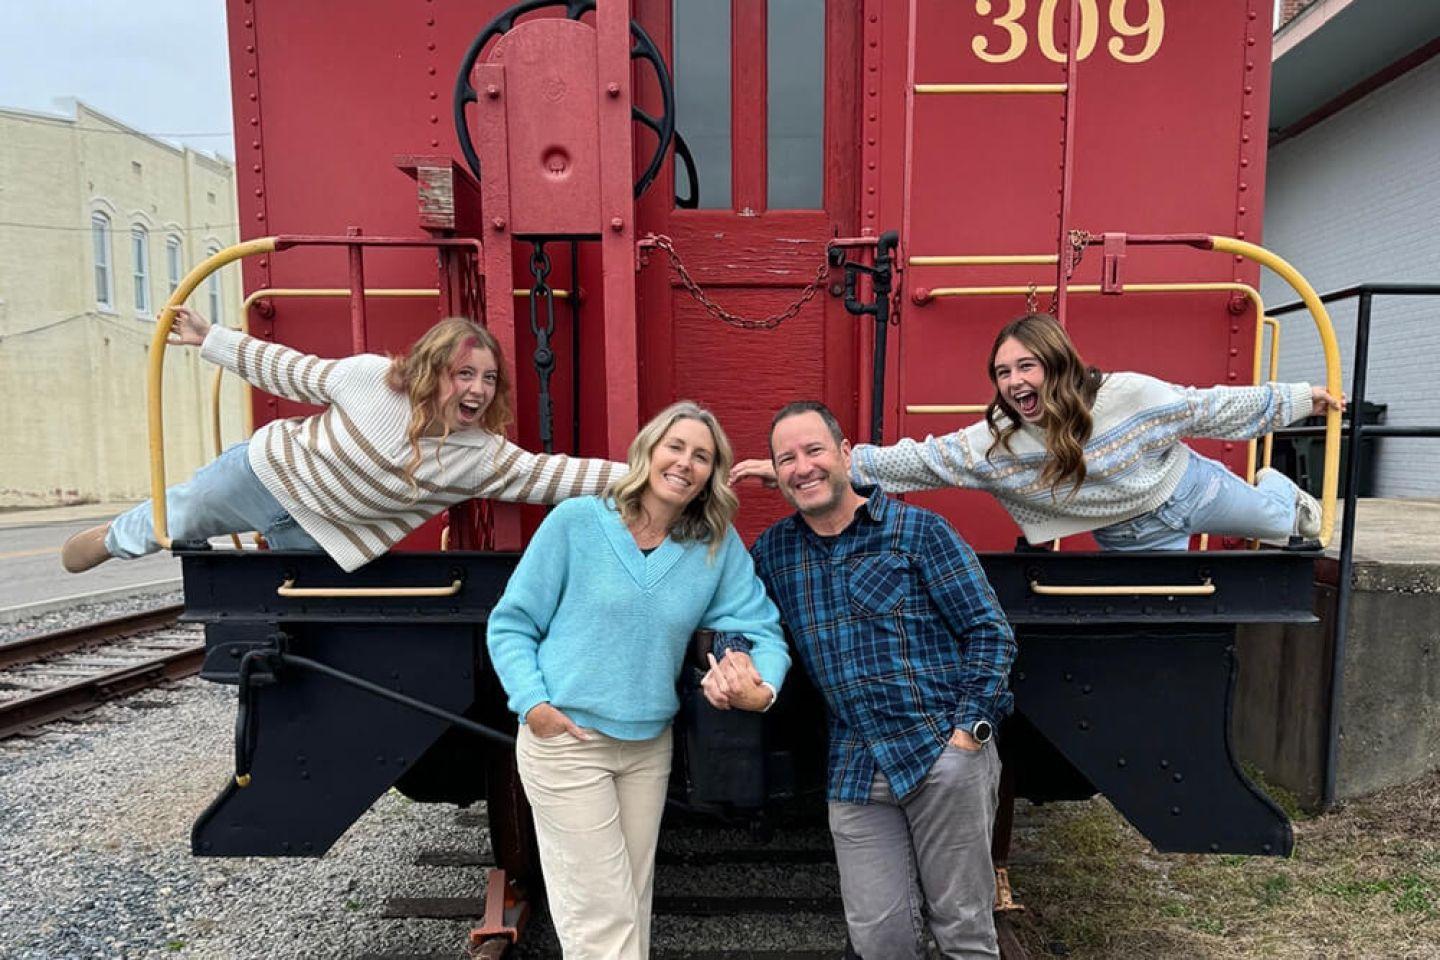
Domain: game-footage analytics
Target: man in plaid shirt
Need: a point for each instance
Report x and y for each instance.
(901, 632)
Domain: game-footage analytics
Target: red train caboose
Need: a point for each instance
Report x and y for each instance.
(867, 190)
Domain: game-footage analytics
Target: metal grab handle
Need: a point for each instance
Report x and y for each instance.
(288, 589)
(1205, 589)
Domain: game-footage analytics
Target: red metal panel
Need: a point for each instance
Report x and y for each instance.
(550, 111)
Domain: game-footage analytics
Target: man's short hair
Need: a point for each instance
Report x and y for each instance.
(797, 407)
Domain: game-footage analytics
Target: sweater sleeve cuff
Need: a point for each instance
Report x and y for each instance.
(1299, 402)
(221, 345)
(523, 703)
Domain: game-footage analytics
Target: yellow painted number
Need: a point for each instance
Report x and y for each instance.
(1010, 24)
(1153, 29)
(1089, 30)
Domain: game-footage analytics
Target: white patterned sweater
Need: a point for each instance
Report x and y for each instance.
(1134, 459)
(340, 473)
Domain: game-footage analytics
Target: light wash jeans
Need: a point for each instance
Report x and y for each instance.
(931, 848)
(223, 497)
(1210, 499)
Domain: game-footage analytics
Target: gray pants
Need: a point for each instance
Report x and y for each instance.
(935, 845)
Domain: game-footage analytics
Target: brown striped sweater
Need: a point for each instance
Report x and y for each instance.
(340, 473)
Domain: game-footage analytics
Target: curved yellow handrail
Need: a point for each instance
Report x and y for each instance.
(156, 370)
(1331, 347)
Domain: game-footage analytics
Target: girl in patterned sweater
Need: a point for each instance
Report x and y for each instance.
(400, 439)
(1067, 449)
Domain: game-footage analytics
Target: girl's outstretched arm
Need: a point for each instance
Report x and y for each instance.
(276, 369)
(519, 475)
(1243, 413)
(930, 464)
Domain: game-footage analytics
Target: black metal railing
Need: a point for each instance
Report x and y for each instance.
(1355, 430)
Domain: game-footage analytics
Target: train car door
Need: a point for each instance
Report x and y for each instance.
(765, 100)
(999, 147)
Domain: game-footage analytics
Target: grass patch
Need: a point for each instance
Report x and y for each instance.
(1363, 882)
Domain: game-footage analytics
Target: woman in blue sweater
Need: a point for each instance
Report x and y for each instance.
(588, 641)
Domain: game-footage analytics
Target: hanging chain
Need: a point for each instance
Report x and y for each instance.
(663, 242)
(544, 353)
(1079, 241)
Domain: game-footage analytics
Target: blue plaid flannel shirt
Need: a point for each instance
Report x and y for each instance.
(899, 629)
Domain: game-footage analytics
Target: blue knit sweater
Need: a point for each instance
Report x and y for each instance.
(600, 630)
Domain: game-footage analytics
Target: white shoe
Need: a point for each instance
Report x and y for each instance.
(1307, 509)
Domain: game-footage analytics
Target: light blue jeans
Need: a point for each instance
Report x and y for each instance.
(1210, 499)
(223, 497)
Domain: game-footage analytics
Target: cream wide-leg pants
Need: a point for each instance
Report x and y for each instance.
(597, 806)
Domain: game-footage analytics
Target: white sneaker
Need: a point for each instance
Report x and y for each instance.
(1307, 509)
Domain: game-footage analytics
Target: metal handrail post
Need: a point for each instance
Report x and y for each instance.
(1347, 548)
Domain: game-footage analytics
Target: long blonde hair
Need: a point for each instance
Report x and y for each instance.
(708, 516)
(1066, 397)
(420, 373)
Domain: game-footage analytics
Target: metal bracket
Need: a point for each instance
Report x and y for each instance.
(1112, 264)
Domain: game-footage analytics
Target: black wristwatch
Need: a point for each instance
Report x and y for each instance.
(982, 731)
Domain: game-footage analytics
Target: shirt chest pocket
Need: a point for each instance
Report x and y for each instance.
(878, 585)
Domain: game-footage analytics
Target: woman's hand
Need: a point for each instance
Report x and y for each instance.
(735, 683)
(1321, 401)
(763, 470)
(547, 721)
(188, 328)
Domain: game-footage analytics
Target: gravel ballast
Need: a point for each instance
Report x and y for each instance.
(95, 859)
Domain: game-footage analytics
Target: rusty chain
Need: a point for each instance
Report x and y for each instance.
(663, 242)
(1079, 241)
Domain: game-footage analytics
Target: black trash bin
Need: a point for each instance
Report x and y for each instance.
(1308, 453)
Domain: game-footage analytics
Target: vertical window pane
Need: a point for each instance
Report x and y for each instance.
(140, 251)
(702, 93)
(213, 286)
(795, 89)
(100, 237)
(172, 262)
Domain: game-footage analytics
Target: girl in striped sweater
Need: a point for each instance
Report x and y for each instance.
(400, 439)
(1067, 449)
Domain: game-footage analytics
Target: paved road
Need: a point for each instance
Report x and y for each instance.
(30, 569)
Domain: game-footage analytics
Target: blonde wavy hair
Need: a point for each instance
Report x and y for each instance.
(421, 372)
(1066, 397)
(708, 516)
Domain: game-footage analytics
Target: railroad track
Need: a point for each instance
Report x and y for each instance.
(718, 896)
(51, 676)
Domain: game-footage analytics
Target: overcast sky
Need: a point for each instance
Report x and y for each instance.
(160, 66)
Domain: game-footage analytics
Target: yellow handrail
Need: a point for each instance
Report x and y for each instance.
(156, 369)
(1331, 346)
(962, 88)
(288, 589)
(1204, 589)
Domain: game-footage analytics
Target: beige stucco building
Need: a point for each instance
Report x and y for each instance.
(98, 223)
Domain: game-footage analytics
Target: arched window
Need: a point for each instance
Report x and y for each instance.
(174, 262)
(100, 237)
(212, 286)
(140, 256)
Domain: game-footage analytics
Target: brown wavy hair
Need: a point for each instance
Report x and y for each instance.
(420, 373)
(707, 517)
(1066, 397)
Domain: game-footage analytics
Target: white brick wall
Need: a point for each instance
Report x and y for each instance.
(1356, 199)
